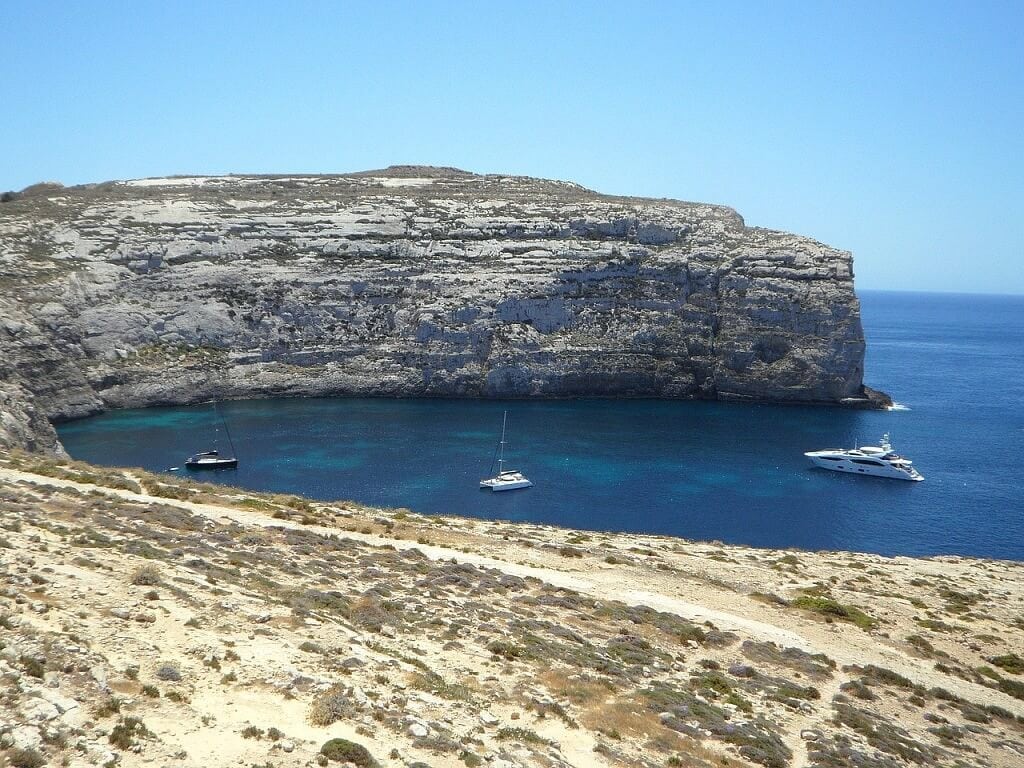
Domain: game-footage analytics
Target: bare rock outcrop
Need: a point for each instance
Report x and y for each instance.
(405, 282)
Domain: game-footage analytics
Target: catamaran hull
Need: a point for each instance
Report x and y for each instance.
(846, 465)
(510, 485)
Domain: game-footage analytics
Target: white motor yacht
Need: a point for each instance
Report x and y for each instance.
(506, 479)
(877, 461)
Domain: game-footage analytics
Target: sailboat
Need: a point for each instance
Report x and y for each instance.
(506, 479)
(212, 459)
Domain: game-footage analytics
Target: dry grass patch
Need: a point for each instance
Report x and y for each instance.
(368, 613)
(433, 683)
(622, 717)
(576, 689)
(687, 752)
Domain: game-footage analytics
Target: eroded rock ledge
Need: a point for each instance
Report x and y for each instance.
(405, 282)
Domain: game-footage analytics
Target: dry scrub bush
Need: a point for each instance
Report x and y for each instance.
(169, 672)
(330, 706)
(146, 576)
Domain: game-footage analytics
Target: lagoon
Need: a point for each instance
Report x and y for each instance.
(699, 470)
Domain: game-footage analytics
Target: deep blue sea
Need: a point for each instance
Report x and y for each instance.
(700, 470)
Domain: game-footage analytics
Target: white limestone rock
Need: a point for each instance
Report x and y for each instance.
(469, 286)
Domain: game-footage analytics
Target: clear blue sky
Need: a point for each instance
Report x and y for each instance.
(895, 130)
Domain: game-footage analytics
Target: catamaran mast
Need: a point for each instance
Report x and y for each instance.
(501, 454)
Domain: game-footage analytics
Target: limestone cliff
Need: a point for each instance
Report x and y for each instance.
(405, 282)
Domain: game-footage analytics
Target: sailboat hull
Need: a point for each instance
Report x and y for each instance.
(211, 463)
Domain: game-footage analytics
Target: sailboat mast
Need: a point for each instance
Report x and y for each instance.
(501, 454)
(226, 432)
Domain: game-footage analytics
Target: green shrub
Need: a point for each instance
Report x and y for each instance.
(1011, 662)
(523, 735)
(921, 644)
(739, 702)
(713, 681)
(505, 649)
(884, 676)
(33, 667)
(437, 685)
(859, 689)
(798, 692)
(127, 732)
(830, 608)
(345, 751)
(25, 758)
(1012, 687)
(110, 706)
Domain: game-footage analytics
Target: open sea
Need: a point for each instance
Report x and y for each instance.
(731, 472)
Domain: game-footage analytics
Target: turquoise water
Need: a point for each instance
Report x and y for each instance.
(730, 472)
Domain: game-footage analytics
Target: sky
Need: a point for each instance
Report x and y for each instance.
(893, 130)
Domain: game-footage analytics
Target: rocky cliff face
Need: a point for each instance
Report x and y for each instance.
(405, 282)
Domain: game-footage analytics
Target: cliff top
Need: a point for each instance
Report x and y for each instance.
(412, 181)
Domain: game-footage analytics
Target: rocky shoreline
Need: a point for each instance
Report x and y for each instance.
(407, 282)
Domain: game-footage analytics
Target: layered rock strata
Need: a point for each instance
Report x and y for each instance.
(405, 282)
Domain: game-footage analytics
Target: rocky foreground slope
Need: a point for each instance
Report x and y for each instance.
(145, 620)
(404, 282)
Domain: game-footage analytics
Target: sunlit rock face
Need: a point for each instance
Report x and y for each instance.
(409, 282)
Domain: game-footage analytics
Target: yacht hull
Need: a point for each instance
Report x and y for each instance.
(834, 462)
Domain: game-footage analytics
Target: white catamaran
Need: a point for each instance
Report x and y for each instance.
(506, 479)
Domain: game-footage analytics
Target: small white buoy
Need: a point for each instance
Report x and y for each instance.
(174, 469)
